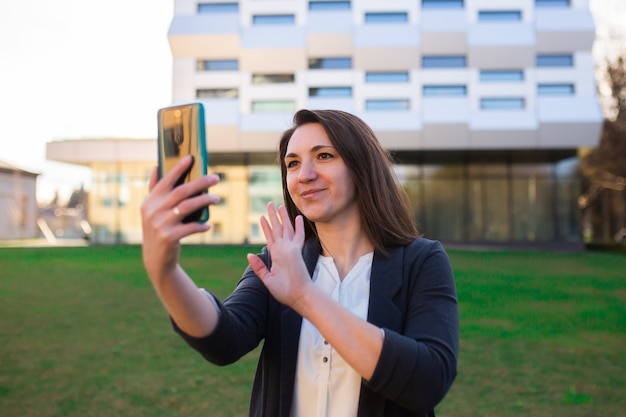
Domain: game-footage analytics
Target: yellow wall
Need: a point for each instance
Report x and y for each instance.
(234, 220)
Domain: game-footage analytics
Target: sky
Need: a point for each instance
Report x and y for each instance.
(72, 69)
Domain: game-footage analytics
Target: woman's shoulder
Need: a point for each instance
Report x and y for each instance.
(422, 244)
(420, 250)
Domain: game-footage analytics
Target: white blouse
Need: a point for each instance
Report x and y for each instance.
(325, 384)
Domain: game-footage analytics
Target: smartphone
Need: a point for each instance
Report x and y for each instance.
(182, 133)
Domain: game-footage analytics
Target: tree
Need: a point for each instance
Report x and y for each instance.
(604, 169)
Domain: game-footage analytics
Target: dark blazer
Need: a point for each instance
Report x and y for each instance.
(412, 297)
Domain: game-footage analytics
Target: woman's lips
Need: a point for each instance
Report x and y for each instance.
(310, 193)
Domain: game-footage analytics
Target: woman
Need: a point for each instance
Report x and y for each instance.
(358, 314)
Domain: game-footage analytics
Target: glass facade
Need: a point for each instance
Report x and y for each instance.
(555, 89)
(386, 17)
(273, 19)
(552, 3)
(502, 103)
(470, 200)
(444, 90)
(555, 60)
(500, 16)
(495, 202)
(387, 104)
(273, 105)
(443, 61)
(115, 200)
(387, 77)
(217, 93)
(217, 65)
(442, 4)
(501, 75)
(328, 5)
(273, 78)
(330, 92)
(330, 63)
(215, 8)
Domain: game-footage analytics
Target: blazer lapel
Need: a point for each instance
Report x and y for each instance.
(385, 283)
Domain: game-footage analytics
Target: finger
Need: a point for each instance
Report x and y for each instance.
(285, 221)
(267, 231)
(196, 186)
(154, 177)
(181, 230)
(257, 265)
(277, 227)
(198, 201)
(299, 234)
(171, 178)
(192, 195)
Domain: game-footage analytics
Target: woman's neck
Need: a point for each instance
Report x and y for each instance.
(345, 245)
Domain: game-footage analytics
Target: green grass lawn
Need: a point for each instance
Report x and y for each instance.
(83, 334)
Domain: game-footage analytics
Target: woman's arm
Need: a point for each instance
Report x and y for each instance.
(163, 229)
(288, 280)
(418, 363)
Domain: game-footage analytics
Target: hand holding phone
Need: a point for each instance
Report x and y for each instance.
(182, 133)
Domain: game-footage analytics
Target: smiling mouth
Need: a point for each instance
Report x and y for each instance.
(309, 193)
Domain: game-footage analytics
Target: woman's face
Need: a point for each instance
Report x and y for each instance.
(318, 179)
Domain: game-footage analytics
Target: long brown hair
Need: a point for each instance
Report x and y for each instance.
(383, 204)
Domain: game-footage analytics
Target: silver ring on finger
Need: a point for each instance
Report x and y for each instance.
(178, 214)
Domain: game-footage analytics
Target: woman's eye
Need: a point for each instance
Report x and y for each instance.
(325, 155)
(291, 164)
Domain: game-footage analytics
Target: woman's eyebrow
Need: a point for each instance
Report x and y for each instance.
(313, 149)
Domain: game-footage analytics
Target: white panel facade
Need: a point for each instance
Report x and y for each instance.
(394, 71)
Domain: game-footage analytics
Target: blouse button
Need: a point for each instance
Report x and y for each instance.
(325, 359)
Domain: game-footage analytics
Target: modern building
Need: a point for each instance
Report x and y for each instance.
(18, 204)
(483, 105)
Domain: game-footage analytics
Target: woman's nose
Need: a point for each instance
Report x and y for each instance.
(307, 172)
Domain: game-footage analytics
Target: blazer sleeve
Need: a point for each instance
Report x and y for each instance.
(418, 362)
(242, 322)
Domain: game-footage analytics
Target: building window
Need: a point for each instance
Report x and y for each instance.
(387, 104)
(555, 60)
(442, 4)
(272, 78)
(551, 3)
(273, 19)
(217, 93)
(330, 63)
(388, 17)
(218, 7)
(451, 61)
(501, 75)
(217, 65)
(330, 92)
(273, 105)
(502, 103)
(500, 16)
(387, 77)
(265, 177)
(444, 90)
(328, 5)
(555, 89)
(216, 229)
